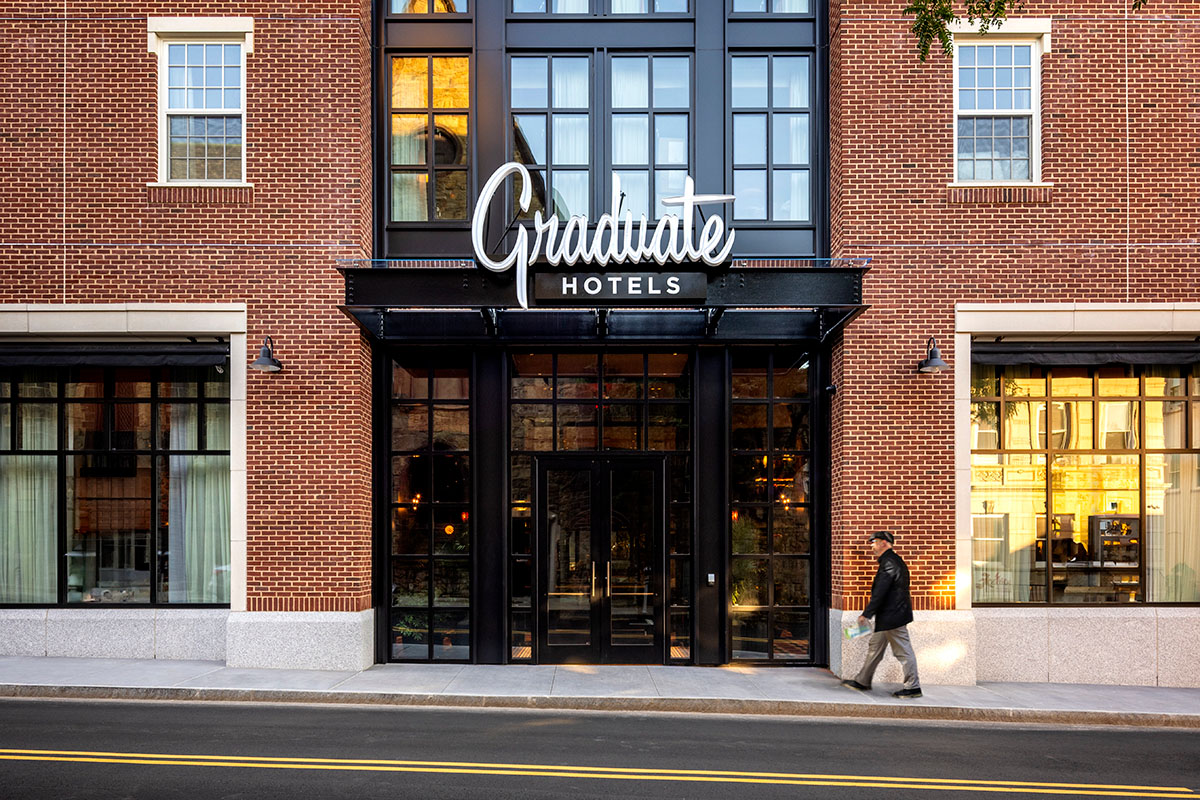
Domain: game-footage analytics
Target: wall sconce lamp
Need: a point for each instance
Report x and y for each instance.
(266, 361)
(933, 362)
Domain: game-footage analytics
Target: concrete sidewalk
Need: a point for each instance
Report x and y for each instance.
(717, 690)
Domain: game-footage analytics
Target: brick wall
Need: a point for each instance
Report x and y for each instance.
(1121, 146)
(78, 224)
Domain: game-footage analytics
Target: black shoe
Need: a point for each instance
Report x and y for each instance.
(855, 685)
(907, 694)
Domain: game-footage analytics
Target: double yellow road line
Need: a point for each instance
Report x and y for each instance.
(598, 773)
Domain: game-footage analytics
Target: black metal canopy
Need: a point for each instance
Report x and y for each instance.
(471, 304)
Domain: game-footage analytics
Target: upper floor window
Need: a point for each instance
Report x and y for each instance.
(996, 112)
(429, 6)
(771, 6)
(202, 98)
(771, 98)
(597, 6)
(430, 142)
(551, 125)
(651, 99)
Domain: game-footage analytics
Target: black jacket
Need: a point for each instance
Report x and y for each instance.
(890, 604)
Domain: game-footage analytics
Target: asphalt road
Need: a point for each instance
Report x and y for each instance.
(105, 749)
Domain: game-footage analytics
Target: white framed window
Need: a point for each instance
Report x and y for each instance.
(201, 98)
(997, 104)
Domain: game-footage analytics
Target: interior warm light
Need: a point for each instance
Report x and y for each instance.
(465, 516)
(734, 515)
(449, 529)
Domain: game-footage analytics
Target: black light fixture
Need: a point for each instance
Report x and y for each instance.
(932, 362)
(266, 361)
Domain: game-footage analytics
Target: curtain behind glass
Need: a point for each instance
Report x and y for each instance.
(199, 511)
(1008, 501)
(1173, 534)
(29, 513)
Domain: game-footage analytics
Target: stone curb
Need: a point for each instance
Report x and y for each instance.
(688, 705)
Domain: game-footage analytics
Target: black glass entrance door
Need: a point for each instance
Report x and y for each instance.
(600, 532)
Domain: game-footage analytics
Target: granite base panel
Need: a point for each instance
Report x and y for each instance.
(150, 633)
(944, 642)
(329, 640)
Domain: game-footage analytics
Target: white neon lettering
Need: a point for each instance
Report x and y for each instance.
(674, 238)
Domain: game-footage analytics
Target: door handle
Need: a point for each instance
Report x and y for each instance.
(608, 580)
(593, 580)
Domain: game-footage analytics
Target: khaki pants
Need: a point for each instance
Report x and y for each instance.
(901, 649)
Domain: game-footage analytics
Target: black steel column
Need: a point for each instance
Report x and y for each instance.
(712, 434)
(489, 600)
(381, 392)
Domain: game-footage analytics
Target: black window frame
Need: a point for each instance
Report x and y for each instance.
(108, 457)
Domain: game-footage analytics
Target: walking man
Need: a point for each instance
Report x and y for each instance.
(892, 608)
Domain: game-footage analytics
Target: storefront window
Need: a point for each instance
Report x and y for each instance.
(770, 493)
(1084, 485)
(138, 483)
(431, 512)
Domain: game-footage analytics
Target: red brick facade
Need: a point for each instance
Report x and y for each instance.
(80, 225)
(1121, 146)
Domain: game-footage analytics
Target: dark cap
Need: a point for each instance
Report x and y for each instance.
(884, 535)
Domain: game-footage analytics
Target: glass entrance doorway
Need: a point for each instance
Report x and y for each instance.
(600, 528)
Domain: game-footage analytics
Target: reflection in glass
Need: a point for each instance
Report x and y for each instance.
(749, 582)
(632, 558)
(410, 582)
(671, 82)
(681, 635)
(1071, 425)
(791, 581)
(1095, 541)
(748, 479)
(1118, 425)
(529, 82)
(451, 582)
(670, 139)
(749, 375)
(983, 381)
(750, 139)
(109, 511)
(451, 83)
(410, 82)
(532, 375)
(451, 530)
(1071, 382)
(577, 375)
(450, 143)
(577, 427)
(409, 382)
(521, 532)
(1173, 528)
(622, 426)
(748, 427)
(749, 633)
(750, 187)
(452, 636)
(680, 533)
(749, 76)
(623, 377)
(450, 199)
(791, 528)
(529, 138)
(669, 428)
(1024, 426)
(1024, 381)
(1008, 518)
(1117, 381)
(791, 634)
(791, 482)
(1169, 381)
(668, 375)
(410, 634)
(410, 530)
(569, 557)
(748, 530)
